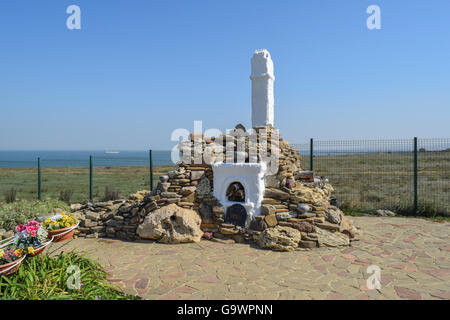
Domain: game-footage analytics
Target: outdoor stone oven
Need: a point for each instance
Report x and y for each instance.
(248, 175)
(251, 198)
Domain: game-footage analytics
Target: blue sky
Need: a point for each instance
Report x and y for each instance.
(139, 69)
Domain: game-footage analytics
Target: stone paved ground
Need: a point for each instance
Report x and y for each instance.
(413, 254)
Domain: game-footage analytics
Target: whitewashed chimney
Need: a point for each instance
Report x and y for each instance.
(262, 88)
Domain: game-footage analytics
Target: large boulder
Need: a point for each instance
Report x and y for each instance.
(385, 213)
(280, 238)
(171, 224)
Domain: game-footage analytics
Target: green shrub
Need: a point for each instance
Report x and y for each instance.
(12, 214)
(10, 195)
(111, 194)
(424, 209)
(65, 195)
(44, 277)
(374, 197)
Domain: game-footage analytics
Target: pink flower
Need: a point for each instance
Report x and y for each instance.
(20, 227)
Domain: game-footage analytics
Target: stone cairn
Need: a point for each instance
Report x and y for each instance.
(296, 211)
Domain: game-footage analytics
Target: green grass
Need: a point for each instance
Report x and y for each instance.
(46, 278)
(12, 214)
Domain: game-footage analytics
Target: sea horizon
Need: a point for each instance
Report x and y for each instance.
(79, 158)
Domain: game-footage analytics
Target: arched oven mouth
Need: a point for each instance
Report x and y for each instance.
(236, 192)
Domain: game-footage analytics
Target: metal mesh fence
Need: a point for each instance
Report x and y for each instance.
(366, 174)
(433, 162)
(18, 184)
(69, 183)
(379, 174)
(67, 177)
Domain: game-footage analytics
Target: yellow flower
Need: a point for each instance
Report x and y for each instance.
(30, 250)
(18, 252)
(48, 220)
(2, 252)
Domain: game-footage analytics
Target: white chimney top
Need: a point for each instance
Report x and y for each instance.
(262, 89)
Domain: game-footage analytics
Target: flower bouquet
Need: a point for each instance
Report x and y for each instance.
(31, 237)
(60, 227)
(10, 260)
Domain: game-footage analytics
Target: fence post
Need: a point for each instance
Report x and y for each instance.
(311, 154)
(90, 179)
(151, 169)
(39, 178)
(415, 177)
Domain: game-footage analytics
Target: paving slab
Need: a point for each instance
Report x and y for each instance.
(413, 256)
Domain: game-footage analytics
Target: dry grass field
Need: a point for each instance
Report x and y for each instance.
(125, 180)
(386, 180)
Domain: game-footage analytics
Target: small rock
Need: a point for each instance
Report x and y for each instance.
(92, 235)
(304, 226)
(224, 241)
(327, 225)
(208, 235)
(170, 195)
(227, 225)
(258, 225)
(268, 209)
(197, 175)
(331, 239)
(76, 206)
(238, 238)
(334, 202)
(187, 190)
(286, 215)
(276, 194)
(138, 196)
(203, 188)
(349, 233)
(110, 230)
(303, 208)
(228, 231)
(333, 216)
(307, 244)
(290, 183)
(386, 213)
(94, 216)
(164, 178)
(271, 220)
(306, 215)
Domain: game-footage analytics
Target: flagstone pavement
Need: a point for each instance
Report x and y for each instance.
(413, 256)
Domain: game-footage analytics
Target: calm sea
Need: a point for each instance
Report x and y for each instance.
(23, 159)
